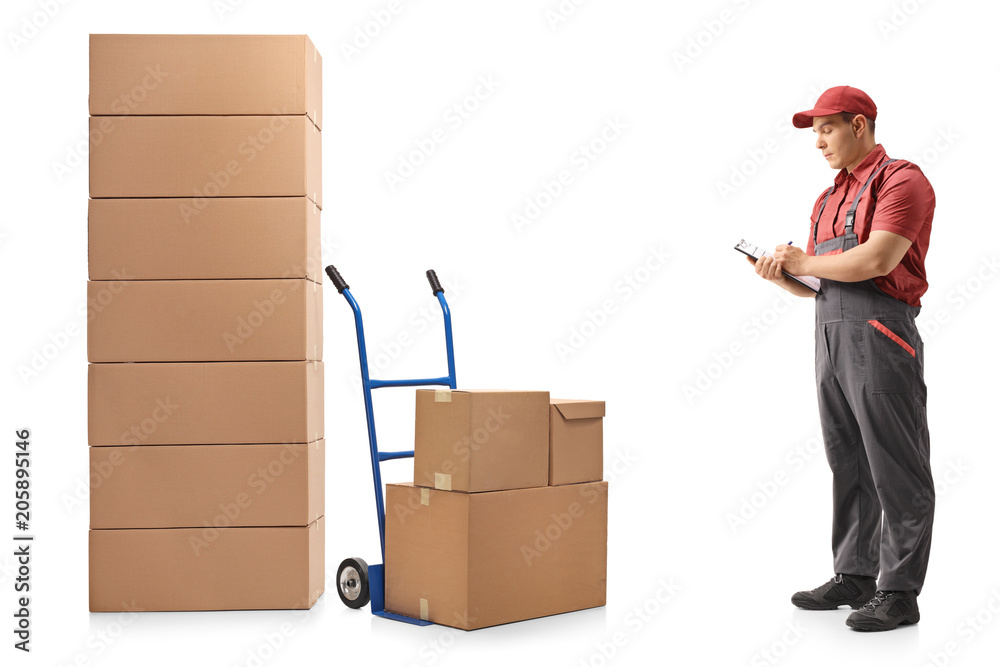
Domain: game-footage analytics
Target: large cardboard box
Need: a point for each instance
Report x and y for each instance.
(197, 569)
(185, 486)
(200, 157)
(481, 440)
(471, 560)
(576, 441)
(205, 403)
(228, 237)
(194, 75)
(205, 320)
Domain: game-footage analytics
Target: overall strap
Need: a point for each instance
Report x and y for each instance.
(820, 215)
(849, 221)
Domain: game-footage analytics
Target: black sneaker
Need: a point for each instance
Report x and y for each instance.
(850, 589)
(887, 610)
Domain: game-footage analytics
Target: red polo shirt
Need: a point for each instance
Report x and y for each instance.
(904, 205)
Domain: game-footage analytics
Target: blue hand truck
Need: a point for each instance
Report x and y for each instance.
(357, 582)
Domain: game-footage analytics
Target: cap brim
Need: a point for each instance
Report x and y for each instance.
(804, 119)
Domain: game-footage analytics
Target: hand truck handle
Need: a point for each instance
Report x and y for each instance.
(338, 280)
(432, 278)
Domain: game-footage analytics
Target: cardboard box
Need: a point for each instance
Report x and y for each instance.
(471, 560)
(576, 441)
(229, 237)
(478, 440)
(195, 75)
(205, 403)
(186, 486)
(200, 157)
(198, 569)
(204, 320)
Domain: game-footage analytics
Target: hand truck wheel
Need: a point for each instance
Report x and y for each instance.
(352, 582)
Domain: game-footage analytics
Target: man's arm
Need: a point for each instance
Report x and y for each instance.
(875, 257)
(769, 269)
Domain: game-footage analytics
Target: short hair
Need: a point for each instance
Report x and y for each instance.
(848, 117)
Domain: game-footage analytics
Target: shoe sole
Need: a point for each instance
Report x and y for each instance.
(811, 606)
(876, 626)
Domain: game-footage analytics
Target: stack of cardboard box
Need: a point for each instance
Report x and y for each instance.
(205, 323)
(506, 518)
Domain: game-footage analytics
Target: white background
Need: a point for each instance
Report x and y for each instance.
(681, 466)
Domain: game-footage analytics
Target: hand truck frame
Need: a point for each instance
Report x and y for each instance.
(357, 582)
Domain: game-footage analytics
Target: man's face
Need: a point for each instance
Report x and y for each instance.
(836, 140)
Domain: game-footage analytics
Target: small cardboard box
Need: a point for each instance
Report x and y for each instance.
(192, 486)
(228, 237)
(205, 75)
(481, 440)
(576, 441)
(472, 560)
(204, 320)
(207, 568)
(205, 403)
(201, 157)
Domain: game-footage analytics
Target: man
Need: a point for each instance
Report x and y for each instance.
(867, 245)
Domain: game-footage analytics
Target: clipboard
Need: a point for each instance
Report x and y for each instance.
(756, 252)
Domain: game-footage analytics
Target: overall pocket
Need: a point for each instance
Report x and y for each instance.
(890, 357)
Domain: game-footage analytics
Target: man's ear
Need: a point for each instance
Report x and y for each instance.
(859, 125)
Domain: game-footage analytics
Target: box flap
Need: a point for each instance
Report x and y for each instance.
(574, 409)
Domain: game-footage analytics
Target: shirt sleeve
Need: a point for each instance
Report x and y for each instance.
(905, 203)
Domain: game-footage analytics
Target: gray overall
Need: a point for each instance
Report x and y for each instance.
(872, 403)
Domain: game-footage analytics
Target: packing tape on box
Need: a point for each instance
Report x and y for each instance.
(442, 395)
(442, 481)
(423, 610)
(425, 496)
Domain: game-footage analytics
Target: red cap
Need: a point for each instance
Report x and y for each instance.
(837, 100)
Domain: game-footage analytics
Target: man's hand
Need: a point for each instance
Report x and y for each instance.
(793, 260)
(768, 268)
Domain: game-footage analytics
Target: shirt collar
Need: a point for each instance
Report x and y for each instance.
(864, 168)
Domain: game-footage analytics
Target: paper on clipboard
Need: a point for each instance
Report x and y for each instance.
(756, 252)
